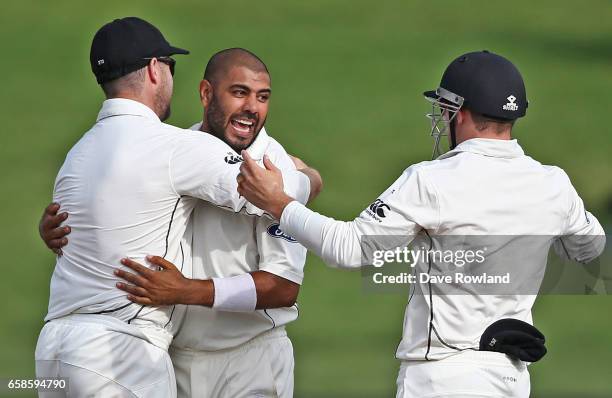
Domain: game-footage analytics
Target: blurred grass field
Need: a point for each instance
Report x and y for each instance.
(347, 80)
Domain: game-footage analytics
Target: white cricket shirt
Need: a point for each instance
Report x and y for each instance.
(224, 245)
(483, 187)
(129, 185)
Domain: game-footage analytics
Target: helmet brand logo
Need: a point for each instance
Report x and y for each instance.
(511, 105)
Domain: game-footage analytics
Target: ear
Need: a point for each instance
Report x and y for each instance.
(206, 92)
(153, 71)
(461, 116)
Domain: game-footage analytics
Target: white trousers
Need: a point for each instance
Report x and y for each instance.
(102, 357)
(259, 368)
(470, 374)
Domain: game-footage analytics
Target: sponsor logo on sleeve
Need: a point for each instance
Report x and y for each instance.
(232, 158)
(275, 232)
(378, 209)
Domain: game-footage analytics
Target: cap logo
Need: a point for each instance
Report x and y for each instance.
(100, 62)
(511, 105)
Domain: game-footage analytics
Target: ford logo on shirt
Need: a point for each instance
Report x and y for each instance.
(275, 231)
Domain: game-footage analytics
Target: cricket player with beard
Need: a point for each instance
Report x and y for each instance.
(240, 352)
(233, 351)
(130, 185)
(465, 345)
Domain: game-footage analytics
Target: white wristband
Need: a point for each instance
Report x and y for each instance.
(235, 294)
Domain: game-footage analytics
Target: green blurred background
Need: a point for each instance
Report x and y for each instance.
(347, 80)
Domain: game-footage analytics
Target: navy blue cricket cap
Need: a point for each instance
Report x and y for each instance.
(121, 46)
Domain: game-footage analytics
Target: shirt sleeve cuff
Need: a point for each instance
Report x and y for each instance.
(305, 225)
(297, 185)
(283, 272)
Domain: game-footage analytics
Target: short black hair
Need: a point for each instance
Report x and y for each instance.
(484, 122)
(132, 82)
(222, 61)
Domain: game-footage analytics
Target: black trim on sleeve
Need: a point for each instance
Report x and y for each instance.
(272, 319)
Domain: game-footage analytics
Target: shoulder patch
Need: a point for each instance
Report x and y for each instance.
(379, 207)
(378, 210)
(275, 232)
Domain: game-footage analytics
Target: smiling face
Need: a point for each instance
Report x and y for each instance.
(236, 105)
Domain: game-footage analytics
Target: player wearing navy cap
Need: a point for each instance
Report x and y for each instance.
(130, 185)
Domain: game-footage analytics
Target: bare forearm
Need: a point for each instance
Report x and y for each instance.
(316, 182)
(274, 291)
(199, 292)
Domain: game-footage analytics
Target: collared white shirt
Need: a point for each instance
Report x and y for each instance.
(483, 187)
(130, 184)
(226, 245)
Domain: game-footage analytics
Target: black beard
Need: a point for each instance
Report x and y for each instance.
(215, 119)
(162, 104)
(166, 114)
